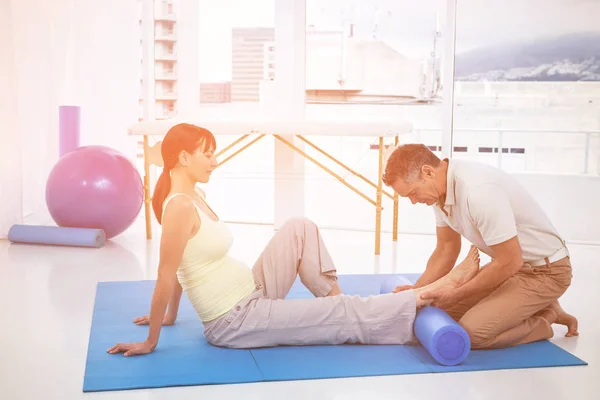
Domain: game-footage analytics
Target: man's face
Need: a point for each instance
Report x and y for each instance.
(420, 190)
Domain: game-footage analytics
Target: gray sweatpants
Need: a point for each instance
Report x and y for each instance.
(265, 319)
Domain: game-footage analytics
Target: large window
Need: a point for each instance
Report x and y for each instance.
(207, 61)
(513, 84)
(235, 36)
(527, 85)
(376, 61)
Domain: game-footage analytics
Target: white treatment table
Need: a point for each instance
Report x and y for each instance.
(254, 130)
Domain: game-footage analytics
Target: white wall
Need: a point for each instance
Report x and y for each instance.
(107, 55)
(10, 152)
(40, 48)
(98, 69)
(571, 201)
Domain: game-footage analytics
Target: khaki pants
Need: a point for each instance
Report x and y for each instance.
(265, 319)
(508, 315)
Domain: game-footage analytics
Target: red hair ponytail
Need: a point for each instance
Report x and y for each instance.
(161, 191)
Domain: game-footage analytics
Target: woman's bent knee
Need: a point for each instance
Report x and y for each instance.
(297, 222)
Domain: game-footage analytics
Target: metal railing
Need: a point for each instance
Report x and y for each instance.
(500, 141)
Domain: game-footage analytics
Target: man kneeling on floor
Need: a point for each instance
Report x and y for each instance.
(514, 299)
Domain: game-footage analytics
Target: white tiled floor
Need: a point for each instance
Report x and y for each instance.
(47, 297)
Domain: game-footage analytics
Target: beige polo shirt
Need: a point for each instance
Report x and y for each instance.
(487, 206)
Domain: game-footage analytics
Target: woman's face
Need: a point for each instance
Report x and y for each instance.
(201, 163)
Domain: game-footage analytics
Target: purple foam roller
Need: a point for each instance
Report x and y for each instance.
(57, 236)
(443, 338)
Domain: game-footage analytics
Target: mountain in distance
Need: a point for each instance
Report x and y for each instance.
(573, 57)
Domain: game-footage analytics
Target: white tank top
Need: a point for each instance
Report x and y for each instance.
(212, 280)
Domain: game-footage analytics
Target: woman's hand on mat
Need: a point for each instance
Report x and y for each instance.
(402, 288)
(145, 320)
(132, 349)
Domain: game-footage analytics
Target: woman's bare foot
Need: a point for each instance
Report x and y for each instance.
(461, 274)
(566, 319)
(465, 271)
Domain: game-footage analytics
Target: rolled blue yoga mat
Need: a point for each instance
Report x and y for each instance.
(443, 338)
(60, 236)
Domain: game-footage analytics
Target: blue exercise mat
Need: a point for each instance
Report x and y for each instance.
(184, 358)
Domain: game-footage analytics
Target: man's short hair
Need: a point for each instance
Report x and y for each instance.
(406, 162)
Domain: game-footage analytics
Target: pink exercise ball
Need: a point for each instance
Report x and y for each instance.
(95, 187)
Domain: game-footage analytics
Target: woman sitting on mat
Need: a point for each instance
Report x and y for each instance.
(245, 308)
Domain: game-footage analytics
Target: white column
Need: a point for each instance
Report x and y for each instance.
(148, 82)
(288, 105)
(449, 38)
(188, 78)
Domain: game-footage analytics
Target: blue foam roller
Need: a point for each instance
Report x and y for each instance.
(60, 236)
(443, 338)
(390, 283)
